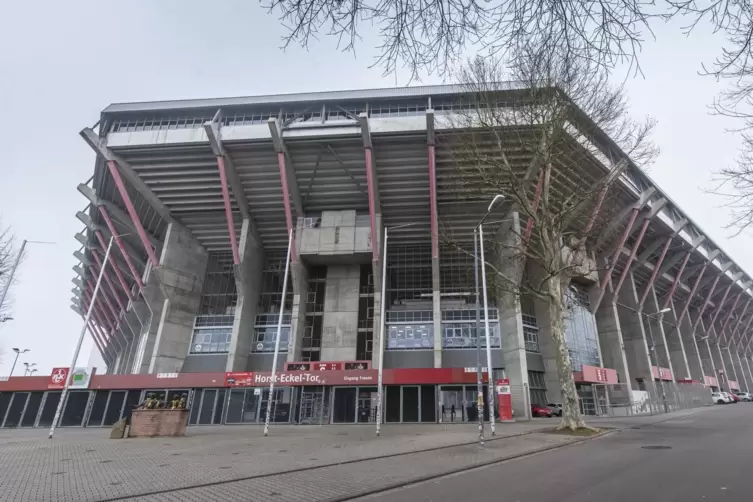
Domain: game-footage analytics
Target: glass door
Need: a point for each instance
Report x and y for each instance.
(345, 405)
(411, 406)
(206, 407)
(367, 400)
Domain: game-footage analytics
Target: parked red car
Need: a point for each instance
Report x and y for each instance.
(540, 411)
(734, 397)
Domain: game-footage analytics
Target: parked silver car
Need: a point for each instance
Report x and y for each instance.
(556, 409)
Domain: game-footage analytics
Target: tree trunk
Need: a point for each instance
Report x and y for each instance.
(571, 416)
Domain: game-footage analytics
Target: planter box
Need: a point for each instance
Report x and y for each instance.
(155, 423)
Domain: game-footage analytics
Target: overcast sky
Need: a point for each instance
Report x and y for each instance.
(63, 62)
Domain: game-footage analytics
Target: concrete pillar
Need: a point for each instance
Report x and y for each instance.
(678, 358)
(145, 346)
(546, 343)
(376, 269)
(181, 276)
(248, 277)
(340, 318)
(436, 303)
(610, 336)
(656, 327)
(634, 336)
(508, 303)
(300, 279)
(708, 358)
(746, 365)
(739, 370)
(692, 349)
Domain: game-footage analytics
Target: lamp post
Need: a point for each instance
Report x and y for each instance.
(655, 358)
(478, 238)
(382, 307)
(18, 353)
(31, 372)
(29, 367)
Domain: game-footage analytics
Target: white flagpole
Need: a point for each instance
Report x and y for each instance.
(277, 338)
(64, 394)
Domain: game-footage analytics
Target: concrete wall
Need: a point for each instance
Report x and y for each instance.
(206, 363)
(408, 359)
(300, 285)
(258, 361)
(340, 318)
(181, 276)
(466, 358)
(247, 280)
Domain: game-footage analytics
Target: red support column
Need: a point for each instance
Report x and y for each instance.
(719, 308)
(109, 304)
(677, 281)
(706, 303)
(535, 204)
(655, 272)
(109, 281)
(118, 272)
(633, 252)
(732, 310)
(433, 202)
(370, 185)
(739, 319)
(692, 290)
(608, 274)
(132, 212)
(228, 210)
(286, 201)
(596, 209)
(111, 227)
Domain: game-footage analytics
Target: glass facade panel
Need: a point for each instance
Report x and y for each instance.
(410, 336)
(462, 335)
(580, 329)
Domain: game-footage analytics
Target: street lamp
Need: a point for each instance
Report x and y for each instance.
(31, 372)
(478, 235)
(29, 367)
(382, 305)
(655, 361)
(18, 353)
(6, 318)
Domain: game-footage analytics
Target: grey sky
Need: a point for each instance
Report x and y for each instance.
(62, 62)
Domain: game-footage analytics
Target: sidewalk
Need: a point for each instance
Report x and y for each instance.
(83, 465)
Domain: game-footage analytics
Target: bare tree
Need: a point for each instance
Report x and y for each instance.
(553, 137)
(8, 255)
(431, 35)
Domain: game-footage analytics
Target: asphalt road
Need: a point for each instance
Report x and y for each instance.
(709, 458)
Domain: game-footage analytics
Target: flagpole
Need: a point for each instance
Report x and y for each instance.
(64, 394)
(277, 338)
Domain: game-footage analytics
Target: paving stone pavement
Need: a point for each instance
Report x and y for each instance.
(84, 465)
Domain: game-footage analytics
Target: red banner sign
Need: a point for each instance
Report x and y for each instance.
(328, 366)
(57, 378)
(300, 378)
(504, 399)
(595, 374)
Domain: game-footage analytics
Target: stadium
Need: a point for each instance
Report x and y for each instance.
(208, 202)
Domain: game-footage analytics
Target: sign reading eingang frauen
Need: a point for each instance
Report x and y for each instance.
(300, 378)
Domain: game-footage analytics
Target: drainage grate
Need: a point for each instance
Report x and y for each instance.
(656, 447)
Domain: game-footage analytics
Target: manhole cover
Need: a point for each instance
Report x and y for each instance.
(225, 467)
(116, 483)
(282, 451)
(163, 465)
(65, 459)
(105, 461)
(341, 434)
(275, 494)
(175, 454)
(89, 451)
(656, 447)
(337, 446)
(58, 472)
